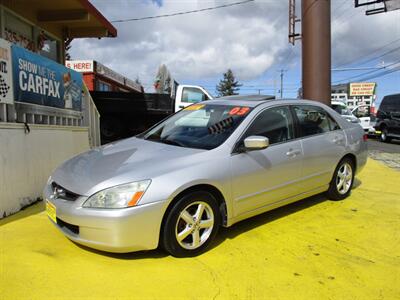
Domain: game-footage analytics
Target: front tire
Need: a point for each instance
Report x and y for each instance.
(191, 225)
(342, 181)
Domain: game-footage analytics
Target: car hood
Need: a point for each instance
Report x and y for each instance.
(121, 162)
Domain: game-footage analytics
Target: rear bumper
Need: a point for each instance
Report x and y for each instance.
(112, 230)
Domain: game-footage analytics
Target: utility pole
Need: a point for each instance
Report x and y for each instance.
(316, 48)
(282, 72)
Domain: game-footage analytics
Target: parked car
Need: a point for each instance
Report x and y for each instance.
(342, 109)
(211, 164)
(363, 113)
(388, 118)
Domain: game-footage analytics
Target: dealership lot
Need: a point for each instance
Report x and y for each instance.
(311, 249)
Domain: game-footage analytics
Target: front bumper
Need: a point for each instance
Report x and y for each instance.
(113, 230)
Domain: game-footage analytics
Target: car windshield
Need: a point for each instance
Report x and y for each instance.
(343, 110)
(201, 126)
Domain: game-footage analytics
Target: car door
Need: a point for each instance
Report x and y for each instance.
(394, 111)
(323, 143)
(263, 177)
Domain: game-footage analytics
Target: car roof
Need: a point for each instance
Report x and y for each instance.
(255, 100)
(242, 100)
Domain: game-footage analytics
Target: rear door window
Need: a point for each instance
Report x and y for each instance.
(314, 120)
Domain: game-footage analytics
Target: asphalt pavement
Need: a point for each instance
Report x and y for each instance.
(376, 145)
(387, 153)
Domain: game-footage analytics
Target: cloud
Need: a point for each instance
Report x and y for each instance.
(355, 36)
(246, 38)
(251, 39)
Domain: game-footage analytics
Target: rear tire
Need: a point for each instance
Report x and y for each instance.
(384, 135)
(191, 224)
(342, 181)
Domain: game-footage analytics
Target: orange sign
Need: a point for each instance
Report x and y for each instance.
(362, 88)
(239, 111)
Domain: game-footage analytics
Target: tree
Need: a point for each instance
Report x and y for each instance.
(228, 85)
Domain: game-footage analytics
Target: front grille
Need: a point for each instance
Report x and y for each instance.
(62, 193)
(68, 227)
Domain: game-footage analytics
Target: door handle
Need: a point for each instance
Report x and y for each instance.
(337, 139)
(293, 152)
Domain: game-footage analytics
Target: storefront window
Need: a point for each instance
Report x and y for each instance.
(18, 32)
(104, 87)
(23, 34)
(48, 46)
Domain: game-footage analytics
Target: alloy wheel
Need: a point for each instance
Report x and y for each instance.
(194, 225)
(383, 135)
(344, 178)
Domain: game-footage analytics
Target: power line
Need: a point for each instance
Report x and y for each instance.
(380, 56)
(340, 13)
(182, 13)
(366, 73)
(369, 54)
(396, 69)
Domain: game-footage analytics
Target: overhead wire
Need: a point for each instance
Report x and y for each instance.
(341, 12)
(369, 54)
(182, 13)
(360, 78)
(380, 56)
(384, 73)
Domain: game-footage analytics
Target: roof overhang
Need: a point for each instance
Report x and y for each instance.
(75, 18)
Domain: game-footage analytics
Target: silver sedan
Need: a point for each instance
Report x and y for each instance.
(212, 164)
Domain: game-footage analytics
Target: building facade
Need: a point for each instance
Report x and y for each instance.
(354, 94)
(46, 113)
(98, 77)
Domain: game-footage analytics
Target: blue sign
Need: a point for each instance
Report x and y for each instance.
(42, 81)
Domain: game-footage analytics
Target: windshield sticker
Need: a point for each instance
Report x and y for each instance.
(220, 126)
(239, 111)
(195, 107)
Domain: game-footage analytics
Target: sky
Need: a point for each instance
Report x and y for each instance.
(251, 39)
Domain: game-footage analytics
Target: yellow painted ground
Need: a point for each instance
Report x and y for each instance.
(314, 249)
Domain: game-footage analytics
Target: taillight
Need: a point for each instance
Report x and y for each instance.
(365, 137)
(373, 111)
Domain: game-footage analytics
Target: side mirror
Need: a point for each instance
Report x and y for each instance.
(256, 142)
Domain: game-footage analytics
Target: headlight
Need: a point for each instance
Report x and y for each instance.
(121, 196)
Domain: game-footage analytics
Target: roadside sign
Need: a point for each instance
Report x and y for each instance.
(42, 81)
(362, 88)
(80, 65)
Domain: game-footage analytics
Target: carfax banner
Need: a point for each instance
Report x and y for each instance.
(42, 81)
